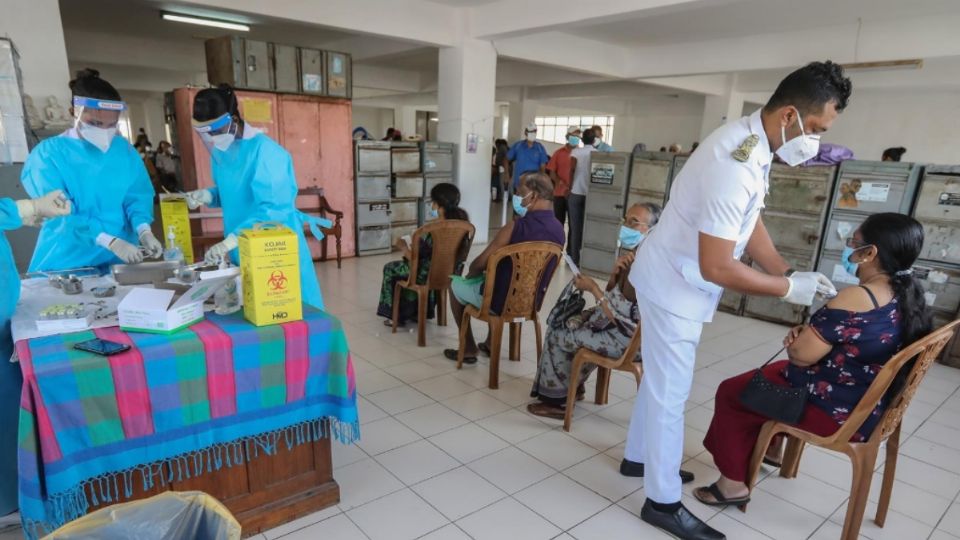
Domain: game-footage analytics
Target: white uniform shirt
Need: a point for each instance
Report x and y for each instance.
(581, 175)
(713, 194)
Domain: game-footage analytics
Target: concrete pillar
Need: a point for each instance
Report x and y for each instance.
(521, 114)
(36, 31)
(718, 110)
(466, 90)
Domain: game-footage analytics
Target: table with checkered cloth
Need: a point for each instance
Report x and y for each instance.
(213, 395)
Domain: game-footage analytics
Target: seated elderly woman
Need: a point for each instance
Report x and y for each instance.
(606, 328)
(837, 356)
(444, 204)
(535, 222)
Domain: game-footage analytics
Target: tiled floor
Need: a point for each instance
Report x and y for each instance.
(444, 457)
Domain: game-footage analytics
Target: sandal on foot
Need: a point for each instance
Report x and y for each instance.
(451, 354)
(771, 462)
(546, 410)
(718, 498)
(484, 348)
(389, 322)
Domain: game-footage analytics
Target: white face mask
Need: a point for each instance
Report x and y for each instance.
(532, 136)
(800, 148)
(97, 136)
(222, 141)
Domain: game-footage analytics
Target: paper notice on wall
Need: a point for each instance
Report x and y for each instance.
(929, 298)
(312, 82)
(256, 110)
(840, 275)
(844, 229)
(949, 199)
(938, 277)
(873, 192)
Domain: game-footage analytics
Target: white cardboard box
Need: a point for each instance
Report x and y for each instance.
(163, 311)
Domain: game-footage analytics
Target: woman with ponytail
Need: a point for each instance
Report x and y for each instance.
(836, 356)
(444, 204)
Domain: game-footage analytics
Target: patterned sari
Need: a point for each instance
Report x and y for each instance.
(395, 271)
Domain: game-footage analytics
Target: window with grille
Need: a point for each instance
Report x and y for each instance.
(554, 128)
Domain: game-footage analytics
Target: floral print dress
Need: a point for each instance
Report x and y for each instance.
(862, 342)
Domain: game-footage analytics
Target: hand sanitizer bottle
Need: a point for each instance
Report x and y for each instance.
(173, 251)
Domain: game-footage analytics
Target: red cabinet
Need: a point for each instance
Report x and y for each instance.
(316, 132)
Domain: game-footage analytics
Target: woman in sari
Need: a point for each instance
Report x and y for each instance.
(444, 205)
(606, 328)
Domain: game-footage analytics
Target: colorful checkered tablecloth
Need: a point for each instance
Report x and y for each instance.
(213, 395)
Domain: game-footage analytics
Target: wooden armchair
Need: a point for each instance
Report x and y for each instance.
(531, 261)
(626, 362)
(863, 455)
(448, 246)
(323, 209)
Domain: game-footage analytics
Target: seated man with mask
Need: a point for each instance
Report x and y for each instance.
(536, 222)
(606, 328)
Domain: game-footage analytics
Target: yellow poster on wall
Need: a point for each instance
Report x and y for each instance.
(256, 110)
(174, 212)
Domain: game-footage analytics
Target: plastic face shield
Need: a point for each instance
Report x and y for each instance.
(218, 133)
(99, 113)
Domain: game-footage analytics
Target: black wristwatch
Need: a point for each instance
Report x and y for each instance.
(789, 272)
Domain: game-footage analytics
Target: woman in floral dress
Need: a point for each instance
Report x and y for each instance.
(606, 328)
(836, 356)
(444, 204)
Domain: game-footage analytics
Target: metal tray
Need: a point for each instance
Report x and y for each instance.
(145, 273)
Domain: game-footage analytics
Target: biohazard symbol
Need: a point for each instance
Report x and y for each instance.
(277, 281)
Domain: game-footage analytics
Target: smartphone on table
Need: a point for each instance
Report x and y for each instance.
(102, 347)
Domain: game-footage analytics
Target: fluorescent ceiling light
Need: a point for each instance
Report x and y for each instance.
(204, 22)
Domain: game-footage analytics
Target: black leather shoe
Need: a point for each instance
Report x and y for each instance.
(680, 523)
(634, 469)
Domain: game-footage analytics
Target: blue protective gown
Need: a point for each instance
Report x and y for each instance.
(111, 193)
(255, 184)
(10, 378)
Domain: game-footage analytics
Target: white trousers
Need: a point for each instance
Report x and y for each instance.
(668, 347)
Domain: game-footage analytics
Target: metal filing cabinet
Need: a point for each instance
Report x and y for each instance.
(438, 168)
(239, 62)
(796, 208)
(339, 75)
(650, 178)
(373, 193)
(863, 188)
(407, 192)
(609, 178)
(285, 68)
(938, 209)
(311, 71)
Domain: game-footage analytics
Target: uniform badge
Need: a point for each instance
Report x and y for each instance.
(742, 153)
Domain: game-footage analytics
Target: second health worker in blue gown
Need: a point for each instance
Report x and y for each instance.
(254, 182)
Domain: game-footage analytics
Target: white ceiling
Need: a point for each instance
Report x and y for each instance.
(743, 18)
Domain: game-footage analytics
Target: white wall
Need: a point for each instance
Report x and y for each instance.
(34, 26)
(925, 122)
(375, 120)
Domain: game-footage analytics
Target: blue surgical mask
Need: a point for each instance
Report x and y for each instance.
(433, 213)
(518, 207)
(573, 140)
(629, 238)
(848, 265)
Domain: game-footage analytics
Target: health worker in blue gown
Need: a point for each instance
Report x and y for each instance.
(104, 178)
(13, 215)
(254, 183)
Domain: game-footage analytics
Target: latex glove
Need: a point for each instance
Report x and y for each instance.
(127, 252)
(150, 244)
(219, 252)
(198, 198)
(805, 285)
(53, 204)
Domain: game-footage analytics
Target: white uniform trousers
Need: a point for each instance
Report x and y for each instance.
(655, 438)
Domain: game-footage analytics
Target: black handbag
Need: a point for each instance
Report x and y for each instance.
(569, 304)
(783, 403)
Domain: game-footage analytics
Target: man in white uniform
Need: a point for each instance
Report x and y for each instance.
(694, 252)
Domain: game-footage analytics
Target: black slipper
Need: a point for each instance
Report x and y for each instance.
(771, 462)
(484, 348)
(451, 354)
(719, 499)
